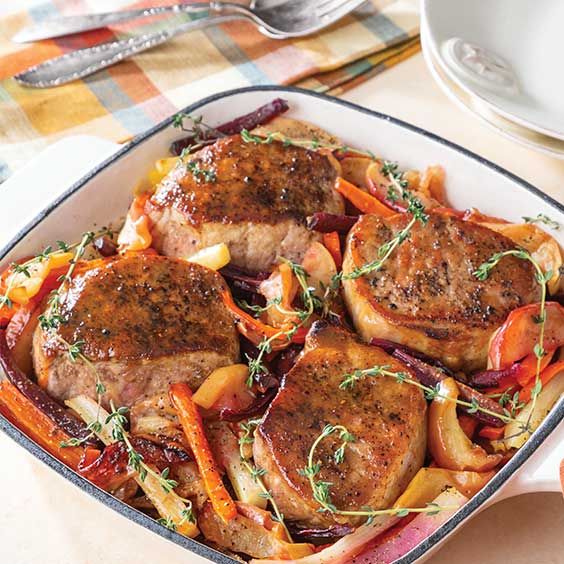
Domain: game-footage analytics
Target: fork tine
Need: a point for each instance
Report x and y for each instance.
(331, 10)
(328, 4)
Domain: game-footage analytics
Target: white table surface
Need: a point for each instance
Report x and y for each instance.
(45, 519)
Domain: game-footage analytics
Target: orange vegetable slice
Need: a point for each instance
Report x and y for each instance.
(191, 421)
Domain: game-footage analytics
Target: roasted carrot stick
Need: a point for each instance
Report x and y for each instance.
(545, 377)
(36, 425)
(191, 421)
(493, 433)
(247, 319)
(333, 245)
(528, 367)
(363, 201)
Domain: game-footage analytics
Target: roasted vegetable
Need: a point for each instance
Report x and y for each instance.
(390, 347)
(254, 329)
(319, 536)
(332, 243)
(252, 531)
(361, 200)
(226, 448)
(533, 413)
(353, 169)
(249, 121)
(327, 222)
(518, 336)
(225, 388)
(214, 257)
(22, 286)
(256, 407)
(111, 469)
(170, 506)
(345, 549)
(135, 234)
(545, 376)
(320, 268)
(105, 246)
(19, 336)
(402, 539)
(42, 401)
(241, 279)
(431, 376)
(448, 444)
(189, 417)
(428, 483)
(20, 411)
(279, 290)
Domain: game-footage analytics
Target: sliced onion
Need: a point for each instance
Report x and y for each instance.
(169, 505)
(346, 548)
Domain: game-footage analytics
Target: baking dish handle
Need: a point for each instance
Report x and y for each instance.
(541, 473)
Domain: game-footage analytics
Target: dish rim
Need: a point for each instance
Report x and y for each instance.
(477, 501)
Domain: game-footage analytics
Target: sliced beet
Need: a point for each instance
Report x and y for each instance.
(260, 116)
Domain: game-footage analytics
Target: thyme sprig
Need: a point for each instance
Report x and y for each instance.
(118, 420)
(52, 318)
(25, 267)
(201, 131)
(256, 473)
(398, 185)
(322, 490)
(258, 310)
(349, 381)
(542, 218)
(542, 278)
(510, 403)
(311, 144)
(310, 301)
(386, 249)
(194, 167)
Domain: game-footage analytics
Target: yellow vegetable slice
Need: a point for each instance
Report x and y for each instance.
(219, 382)
(214, 257)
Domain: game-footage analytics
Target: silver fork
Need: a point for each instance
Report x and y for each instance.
(291, 18)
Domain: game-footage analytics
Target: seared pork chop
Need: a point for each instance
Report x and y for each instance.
(387, 418)
(254, 198)
(145, 321)
(426, 295)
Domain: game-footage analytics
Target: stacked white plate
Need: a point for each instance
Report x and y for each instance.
(503, 61)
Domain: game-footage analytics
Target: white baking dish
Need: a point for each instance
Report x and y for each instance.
(54, 211)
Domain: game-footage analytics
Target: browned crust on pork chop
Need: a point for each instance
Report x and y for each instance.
(426, 294)
(386, 417)
(262, 183)
(144, 321)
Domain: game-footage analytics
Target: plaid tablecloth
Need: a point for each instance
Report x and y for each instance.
(126, 99)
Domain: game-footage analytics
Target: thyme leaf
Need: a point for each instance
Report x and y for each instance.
(321, 489)
(542, 278)
(247, 438)
(349, 381)
(542, 218)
